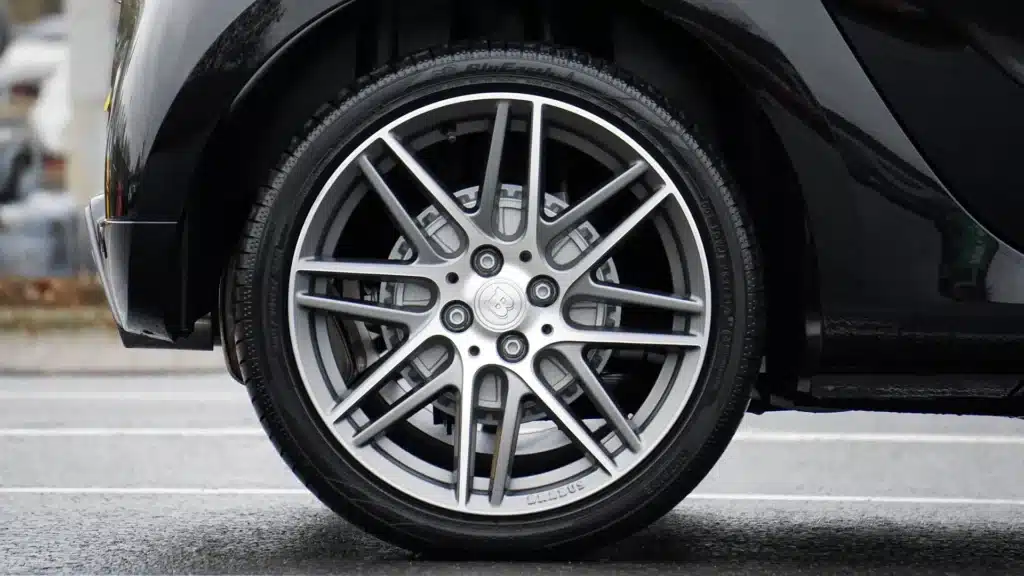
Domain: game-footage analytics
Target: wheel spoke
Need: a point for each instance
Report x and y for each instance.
(410, 403)
(588, 289)
(573, 428)
(534, 199)
(465, 440)
(489, 190)
(507, 437)
(603, 248)
(578, 213)
(377, 374)
(437, 194)
(377, 269)
(628, 338)
(573, 354)
(425, 250)
(363, 310)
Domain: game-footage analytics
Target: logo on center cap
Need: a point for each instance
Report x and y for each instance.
(499, 304)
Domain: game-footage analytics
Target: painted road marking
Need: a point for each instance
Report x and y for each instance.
(743, 436)
(738, 497)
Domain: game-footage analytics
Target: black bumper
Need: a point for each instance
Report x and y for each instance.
(134, 300)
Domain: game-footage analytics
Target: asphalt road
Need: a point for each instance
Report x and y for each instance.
(171, 475)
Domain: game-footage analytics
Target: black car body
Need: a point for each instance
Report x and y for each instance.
(900, 124)
(878, 143)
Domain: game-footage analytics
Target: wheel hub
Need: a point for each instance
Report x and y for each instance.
(501, 304)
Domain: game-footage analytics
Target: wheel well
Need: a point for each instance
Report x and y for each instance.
(369, 33)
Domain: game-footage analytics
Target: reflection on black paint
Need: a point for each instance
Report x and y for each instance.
(154, 153)
(967, 249)
(244, 45)
(950, 72)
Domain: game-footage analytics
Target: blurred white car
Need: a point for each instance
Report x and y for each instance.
(35, 53)
(33, 147)
(50, 27)
(37, 226)
(48, 120)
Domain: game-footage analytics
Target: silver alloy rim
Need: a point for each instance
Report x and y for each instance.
(510, 343)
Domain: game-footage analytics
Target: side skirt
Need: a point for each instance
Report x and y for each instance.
(965, 394)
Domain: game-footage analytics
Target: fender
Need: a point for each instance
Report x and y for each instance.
(179, 64)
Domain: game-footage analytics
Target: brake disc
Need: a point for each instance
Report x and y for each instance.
(511, 206)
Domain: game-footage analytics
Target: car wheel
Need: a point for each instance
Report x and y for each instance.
(499, 300)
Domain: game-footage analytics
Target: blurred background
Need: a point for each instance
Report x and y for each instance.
(55, 71)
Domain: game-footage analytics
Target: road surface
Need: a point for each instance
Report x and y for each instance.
(171, 475)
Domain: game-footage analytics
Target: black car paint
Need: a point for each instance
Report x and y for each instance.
(179, 67)
(910, 195)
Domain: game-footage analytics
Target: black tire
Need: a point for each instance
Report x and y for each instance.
(262, 342)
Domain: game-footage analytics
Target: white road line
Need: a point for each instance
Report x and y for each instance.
(743, 436)
(916, 500)
(114, 396)
(43, 490)
(873, 437)
(739, 497)
(110, 432)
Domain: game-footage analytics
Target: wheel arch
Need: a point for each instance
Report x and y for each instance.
(363, 35)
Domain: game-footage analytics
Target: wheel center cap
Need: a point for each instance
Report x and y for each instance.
(500, 305)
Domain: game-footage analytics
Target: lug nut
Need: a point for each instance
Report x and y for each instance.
(487, 261)
(457, 317)
(512, 347)
(542, 291)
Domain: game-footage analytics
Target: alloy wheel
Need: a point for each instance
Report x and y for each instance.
(454, 370)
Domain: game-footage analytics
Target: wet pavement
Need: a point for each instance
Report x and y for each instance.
(149, 475)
